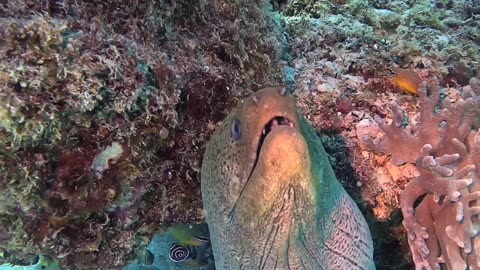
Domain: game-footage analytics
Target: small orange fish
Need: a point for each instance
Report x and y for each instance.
(406, 79)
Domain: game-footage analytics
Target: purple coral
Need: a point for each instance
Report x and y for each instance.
(443, 230)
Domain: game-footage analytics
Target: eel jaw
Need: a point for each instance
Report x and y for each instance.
(268, 127)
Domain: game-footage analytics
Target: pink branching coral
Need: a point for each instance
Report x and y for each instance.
(443, 230)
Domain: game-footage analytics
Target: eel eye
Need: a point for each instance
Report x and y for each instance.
(236, 129)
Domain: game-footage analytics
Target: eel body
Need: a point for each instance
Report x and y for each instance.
(271, 197)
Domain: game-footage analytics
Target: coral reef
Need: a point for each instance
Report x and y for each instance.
(105, 109)
(154, 77)
(440, 205)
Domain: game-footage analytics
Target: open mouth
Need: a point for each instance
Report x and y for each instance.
(271, 125)
(274, 123)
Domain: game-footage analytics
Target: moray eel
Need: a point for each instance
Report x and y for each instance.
(271, 197)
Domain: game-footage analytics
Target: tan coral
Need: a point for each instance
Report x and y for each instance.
(443, 229)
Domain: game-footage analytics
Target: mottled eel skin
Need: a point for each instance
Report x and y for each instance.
(272, 201)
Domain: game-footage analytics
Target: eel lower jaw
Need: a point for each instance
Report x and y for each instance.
(274, 123)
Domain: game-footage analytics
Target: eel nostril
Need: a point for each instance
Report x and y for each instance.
(256, 99)
(282, 91)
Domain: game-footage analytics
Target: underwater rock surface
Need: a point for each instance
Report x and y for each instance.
(105, 109)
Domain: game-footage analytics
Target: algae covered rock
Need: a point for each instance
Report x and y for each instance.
(105, 108)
